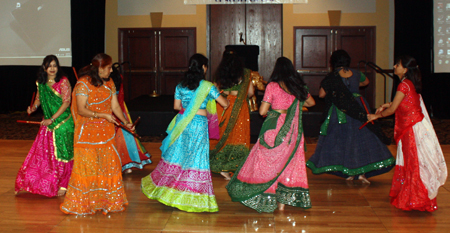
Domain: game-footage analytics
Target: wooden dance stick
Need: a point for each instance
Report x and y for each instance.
(29, 122)
(32, 100)
(129, 130)
(136, 121)
(75, 72)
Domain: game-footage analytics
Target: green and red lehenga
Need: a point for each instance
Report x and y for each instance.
(228, 152)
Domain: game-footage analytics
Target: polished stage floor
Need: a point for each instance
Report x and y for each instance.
(338, 206)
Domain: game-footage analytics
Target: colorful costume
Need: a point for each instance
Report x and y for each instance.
(275, 168)
(232, 148)
(132, 153)
(182, 178)
(343, 149)
(96, 181)
(48, 165)
(420, 169)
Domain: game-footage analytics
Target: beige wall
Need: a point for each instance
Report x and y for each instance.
(380, 19)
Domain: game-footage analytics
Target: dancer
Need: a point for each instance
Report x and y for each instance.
(232, 148)
(47, 167)
(344, 149)
(96, 181)
(275, 172)
(132, 153)
(182, 178)
(420, 168)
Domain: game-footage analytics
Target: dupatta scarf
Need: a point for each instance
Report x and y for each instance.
(182, 120)
(51, 101)
(237, 107)
(242, 191)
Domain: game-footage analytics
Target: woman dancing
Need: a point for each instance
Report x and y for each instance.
(275, 172)
(232, 148)
(47, 167)
(420, 168)
(344, 149)
(182, 178)
(96, 181)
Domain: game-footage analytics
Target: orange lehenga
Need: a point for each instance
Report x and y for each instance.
(96, 181)
(233, 147)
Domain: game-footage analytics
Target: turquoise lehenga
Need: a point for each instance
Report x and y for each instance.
(182, 178)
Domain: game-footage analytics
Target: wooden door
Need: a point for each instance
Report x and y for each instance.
(314, 45)
(176, 46)
(260, 24)
(137, 47)
(156, 57)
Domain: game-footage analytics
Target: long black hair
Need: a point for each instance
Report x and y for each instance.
(100, 60)
(230, 70)
(340, 58)
(413, 72)
(42, 75)
(284, 72)
(195, 72)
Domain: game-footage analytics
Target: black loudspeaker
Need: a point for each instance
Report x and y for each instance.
(248, 53)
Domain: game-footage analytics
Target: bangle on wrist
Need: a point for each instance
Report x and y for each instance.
(381, 113)
(95, 114)
(52, 119)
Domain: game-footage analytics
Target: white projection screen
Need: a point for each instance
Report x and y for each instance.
(32, 29)
(441, 36)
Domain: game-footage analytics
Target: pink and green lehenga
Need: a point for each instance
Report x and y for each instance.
(182, 178)
(49, 163)
(275, 169)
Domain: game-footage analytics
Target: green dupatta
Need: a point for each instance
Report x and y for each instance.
(181, 121)
(253, 195)
(62, 127)
(240, 98)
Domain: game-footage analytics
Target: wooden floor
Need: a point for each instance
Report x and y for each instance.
(338, 206)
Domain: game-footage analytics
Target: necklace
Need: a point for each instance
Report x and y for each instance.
(51, 80)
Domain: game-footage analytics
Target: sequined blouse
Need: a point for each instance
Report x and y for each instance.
(186, 95)
(90, 131)
(409, 111)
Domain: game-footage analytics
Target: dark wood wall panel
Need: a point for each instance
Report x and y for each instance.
(177, 47)
(314, 45)
(260, 24)
(314, 52)
(145, 59)
(226, 22)
(158, 58)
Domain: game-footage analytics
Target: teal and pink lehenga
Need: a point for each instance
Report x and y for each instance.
(182, 178)
(275, 169)
(49, 163)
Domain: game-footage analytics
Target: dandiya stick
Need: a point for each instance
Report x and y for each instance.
(32, 100)
(129, 130)
(136, 121)
(29, 122)
(75, 72)
(367, 110)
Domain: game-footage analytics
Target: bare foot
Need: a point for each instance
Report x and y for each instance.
(128, 171)
(226, 175)
(280, 206)
(350, 178)
(363, 179)
(61, 192)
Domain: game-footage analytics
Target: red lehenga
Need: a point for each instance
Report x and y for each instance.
(420, 167)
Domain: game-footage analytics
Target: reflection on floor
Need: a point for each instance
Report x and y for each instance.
(338, 206)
